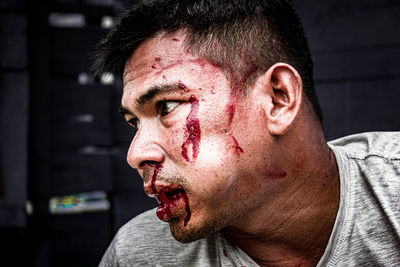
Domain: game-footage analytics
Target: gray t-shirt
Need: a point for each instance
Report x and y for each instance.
(366, 230)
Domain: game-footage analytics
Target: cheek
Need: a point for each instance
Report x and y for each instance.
(213, 152)
(173, 140)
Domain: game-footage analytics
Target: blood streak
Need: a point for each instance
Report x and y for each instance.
(157, 169)
(236, 86)
(157, 59)
(161, 212)
(275, 175)
(231, 108)
(182, 86)
(236, 147)
(193, 131)
(224, 251)
(175, 39)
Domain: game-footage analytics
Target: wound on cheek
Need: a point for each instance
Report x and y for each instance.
(231, 109)
(193, 131)
(236, 147)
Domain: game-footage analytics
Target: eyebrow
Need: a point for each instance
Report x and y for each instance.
(152, 93)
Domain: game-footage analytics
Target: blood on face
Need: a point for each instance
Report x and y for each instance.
(193, 131)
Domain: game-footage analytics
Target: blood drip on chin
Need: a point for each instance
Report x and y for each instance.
(193, 131)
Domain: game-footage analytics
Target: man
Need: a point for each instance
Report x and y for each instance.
(229, 141)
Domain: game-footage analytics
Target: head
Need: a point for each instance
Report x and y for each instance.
(197, 76)
(241, 37)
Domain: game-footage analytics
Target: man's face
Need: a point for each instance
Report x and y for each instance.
(200, 146)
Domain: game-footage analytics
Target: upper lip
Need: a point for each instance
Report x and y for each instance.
(161, 190)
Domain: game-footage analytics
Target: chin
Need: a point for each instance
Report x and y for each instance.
(194, 231)
(189, 233)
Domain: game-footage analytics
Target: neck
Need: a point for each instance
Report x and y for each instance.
(292, 228)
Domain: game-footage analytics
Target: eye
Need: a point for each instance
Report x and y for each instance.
(134, 122)
(167, 107)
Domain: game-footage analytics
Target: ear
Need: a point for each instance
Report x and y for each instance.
(280, 92)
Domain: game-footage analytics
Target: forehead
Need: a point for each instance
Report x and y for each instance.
(156, 55)
(163, 60)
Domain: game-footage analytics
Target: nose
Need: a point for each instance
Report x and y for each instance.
(145, 149)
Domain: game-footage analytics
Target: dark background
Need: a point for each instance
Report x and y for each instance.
(61, 133)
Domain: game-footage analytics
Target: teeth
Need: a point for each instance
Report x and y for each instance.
(174, 196)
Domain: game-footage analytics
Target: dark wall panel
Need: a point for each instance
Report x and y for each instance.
(360, 107)
(13, 148)
(79, 114)
(357, 64)
(334, 101)
(374, 106)
(4, 4)
(78, 240)
(72, 48)
(13, 44)
(356, 52)
(332, 25)
(74, 173)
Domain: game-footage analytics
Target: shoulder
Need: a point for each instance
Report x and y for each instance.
(379, 144)
(145, 240)
(371, 157)
(369, 167)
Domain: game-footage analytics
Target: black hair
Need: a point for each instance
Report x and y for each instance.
(243, 37)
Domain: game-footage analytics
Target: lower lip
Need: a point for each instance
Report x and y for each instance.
(166, 211)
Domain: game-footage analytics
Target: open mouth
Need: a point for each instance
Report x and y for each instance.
(168, 200)
(175, 194)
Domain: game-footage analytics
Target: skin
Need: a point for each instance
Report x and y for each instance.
(276, 197)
